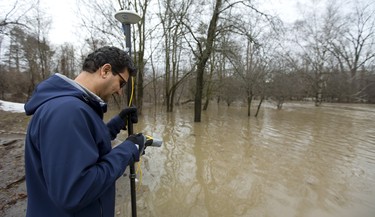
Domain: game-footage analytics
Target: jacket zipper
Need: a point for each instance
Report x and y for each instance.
(101, 208)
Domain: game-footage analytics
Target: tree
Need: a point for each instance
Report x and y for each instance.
(231, 87)
(250, 56)
(172, 14)
(15, 52)
(29, 53)
(105, 29)
(13, 18)
(314, 34)
(223, 18)
(354, 44)
(37, 49)
(140, 7)
(67, 61)
(205, 48)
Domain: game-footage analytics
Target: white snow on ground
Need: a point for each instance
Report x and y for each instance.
(11, 106)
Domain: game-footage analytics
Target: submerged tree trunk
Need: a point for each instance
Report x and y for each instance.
(319, 92)
(198, 93)
(249, 99)
(209, 84)
(202, 60)
(280, 102)
(260, 103)
(205, 107)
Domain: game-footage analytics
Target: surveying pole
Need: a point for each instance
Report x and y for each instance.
(126, 18)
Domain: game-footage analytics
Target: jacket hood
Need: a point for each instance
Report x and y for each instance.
(59, 86)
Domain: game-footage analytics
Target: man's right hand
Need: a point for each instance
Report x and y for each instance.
(139, 140)
(129, 112)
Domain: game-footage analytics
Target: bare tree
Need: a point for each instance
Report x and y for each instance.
(172, 14)
(105, 29)
(29, 51)
(201, 43)
(102, 28)
(140, 7)
(314, 33)
(250, 59)
(13, 17)
(38, 51)
(354, 44)
(203, 53)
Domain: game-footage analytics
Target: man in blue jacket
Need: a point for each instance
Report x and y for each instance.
(70, 165)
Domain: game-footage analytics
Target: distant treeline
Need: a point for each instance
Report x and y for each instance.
(231, 51)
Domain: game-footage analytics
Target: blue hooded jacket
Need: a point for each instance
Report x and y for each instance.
(70, 165)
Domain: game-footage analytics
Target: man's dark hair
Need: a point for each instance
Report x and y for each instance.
(118, 59)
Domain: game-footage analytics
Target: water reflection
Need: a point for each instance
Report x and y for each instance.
(300, 161)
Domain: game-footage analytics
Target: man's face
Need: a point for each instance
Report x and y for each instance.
(112, 84)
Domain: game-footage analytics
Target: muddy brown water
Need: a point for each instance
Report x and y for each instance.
(301, 161)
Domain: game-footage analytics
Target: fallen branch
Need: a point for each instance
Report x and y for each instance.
(18, 181)
(13, 200)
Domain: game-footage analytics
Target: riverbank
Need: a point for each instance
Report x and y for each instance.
(12, 179)
(13, 194)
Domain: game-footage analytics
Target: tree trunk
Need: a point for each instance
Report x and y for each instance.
(167, 77)
(173, 92)
(260, 103)
(154, 84)
(202, 60)
(198, 93)
(168, 101)
(280, 102)
(319, 93)
(208, 96)
(205, 106)
(209, 83)
(140, 84)
(249, 99)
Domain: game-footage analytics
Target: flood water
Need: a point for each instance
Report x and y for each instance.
(300, 161)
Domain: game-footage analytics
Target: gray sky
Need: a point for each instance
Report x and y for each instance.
(65, 22)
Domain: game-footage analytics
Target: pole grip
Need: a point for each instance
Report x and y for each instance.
(132, 188)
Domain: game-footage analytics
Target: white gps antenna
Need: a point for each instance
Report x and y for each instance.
(127, 17)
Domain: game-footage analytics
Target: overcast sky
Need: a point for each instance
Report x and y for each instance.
(65, 22)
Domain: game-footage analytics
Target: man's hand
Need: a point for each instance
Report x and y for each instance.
(129, 112)
(119, 122)
(139, 140)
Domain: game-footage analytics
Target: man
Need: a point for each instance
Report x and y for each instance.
(70, 165)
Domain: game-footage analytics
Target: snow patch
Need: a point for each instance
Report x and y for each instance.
(12, 106)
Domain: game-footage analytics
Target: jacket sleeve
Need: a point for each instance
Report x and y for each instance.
(74, 173)
(115, 125)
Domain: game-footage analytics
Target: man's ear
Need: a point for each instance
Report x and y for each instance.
(105, 69)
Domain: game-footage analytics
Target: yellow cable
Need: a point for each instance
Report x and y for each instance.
(140, 159)
(140, 173)
(132, 93)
